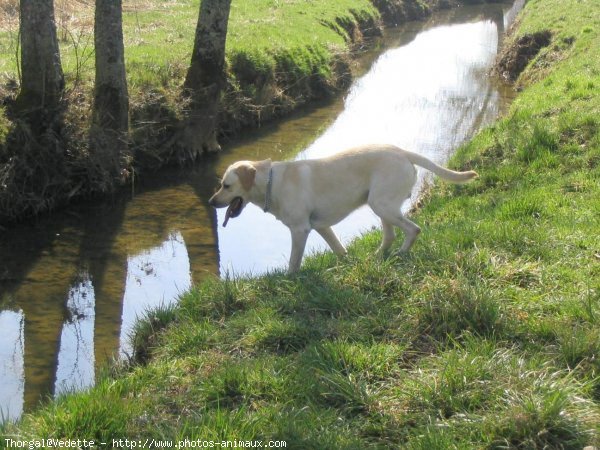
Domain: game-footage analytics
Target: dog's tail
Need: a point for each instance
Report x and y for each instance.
(447, 174)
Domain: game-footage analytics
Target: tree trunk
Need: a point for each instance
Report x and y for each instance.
(205, 78)
(110, 115)
(42, 81)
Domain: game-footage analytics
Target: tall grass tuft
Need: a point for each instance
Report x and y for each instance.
(146, 329)
(451, 307)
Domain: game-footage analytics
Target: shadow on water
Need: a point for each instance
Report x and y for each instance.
(72, 284)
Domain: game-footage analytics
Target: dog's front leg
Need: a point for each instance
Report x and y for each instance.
(299, 237)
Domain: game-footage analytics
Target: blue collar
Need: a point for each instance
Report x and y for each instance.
(268, 193)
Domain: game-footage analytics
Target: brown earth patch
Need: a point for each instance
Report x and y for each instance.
(399, 11)
(515, 57)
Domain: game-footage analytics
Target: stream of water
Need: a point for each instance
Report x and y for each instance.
(72, 284)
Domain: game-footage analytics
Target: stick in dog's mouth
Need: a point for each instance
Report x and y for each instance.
(234, 209)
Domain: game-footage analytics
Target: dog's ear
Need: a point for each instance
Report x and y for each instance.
(246, 173)
(263, 165)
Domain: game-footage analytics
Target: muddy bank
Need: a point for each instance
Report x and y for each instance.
(515, 57)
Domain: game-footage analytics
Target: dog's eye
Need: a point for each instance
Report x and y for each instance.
(226, 186)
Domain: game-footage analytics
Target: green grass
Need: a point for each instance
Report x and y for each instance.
(486, 336)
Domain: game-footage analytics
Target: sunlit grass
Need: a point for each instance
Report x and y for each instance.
(269, 36)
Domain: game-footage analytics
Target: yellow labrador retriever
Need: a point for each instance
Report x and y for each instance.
(318, 193)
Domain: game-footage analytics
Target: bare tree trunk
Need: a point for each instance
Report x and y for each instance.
(42, 81)
(110, 115)
(205, 78)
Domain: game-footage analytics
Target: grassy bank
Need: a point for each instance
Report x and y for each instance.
(486, 336)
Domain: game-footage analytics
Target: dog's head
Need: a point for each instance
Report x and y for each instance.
(236, 187)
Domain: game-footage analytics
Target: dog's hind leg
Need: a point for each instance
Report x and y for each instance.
(411, 231)
(391, 215)
(388, 237)
(333, 241)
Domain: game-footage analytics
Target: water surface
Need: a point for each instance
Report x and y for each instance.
(73, 284)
